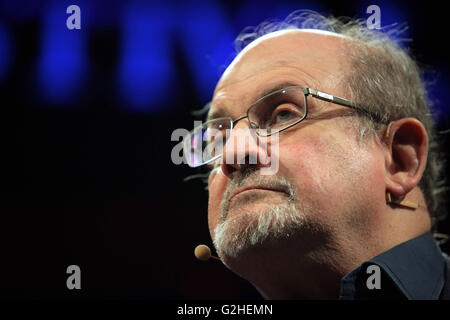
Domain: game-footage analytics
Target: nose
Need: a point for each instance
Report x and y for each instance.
(244, 149)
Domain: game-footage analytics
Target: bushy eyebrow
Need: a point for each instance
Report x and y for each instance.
(219, 112)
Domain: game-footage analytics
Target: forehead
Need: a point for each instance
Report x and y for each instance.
(304, 57)
(291, 42)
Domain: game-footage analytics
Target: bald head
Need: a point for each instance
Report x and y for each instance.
(309, 57)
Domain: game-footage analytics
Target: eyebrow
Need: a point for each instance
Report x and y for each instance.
(221, 112)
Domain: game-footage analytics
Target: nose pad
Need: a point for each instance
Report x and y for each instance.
(243, 149)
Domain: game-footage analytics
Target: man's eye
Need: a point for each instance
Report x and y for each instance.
(282, 115)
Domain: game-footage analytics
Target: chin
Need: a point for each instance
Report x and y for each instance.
(254, 231)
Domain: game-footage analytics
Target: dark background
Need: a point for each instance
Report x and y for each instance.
(87, 118)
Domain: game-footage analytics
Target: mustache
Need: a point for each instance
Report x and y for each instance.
(251, 177)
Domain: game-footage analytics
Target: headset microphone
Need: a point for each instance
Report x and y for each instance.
(202, 252)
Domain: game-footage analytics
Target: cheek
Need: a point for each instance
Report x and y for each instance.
(330, 176)
(309, 170)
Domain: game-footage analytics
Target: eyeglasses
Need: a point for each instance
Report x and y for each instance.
(269, 115)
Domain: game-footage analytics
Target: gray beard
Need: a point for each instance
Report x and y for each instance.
(247, 228)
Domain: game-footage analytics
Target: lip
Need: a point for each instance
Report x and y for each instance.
(252, 188)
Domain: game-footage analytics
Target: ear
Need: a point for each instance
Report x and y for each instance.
(406, 155)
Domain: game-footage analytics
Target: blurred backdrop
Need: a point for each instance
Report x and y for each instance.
(88, 116)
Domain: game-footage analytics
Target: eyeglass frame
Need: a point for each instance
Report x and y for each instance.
(316, 94)
(306, 92)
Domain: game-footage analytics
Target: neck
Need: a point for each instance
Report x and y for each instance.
(310, 271)
(313, 281)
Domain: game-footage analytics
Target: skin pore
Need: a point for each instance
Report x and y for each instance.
(296, 233)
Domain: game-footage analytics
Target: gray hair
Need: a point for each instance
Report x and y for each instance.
(387, 80)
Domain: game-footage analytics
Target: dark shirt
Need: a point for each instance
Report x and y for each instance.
(415, 269)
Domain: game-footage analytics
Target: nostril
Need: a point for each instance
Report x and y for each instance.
(249, 159)
(244, 164)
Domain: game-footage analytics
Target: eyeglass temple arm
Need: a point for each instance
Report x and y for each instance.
(341, 101)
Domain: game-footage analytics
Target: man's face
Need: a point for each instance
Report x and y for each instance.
(327, 180)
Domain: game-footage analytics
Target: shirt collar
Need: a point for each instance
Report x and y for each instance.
(416, 267)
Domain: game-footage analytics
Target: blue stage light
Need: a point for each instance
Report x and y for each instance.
(5, 51)
(146, 71)
(207, 40)
(62, 62)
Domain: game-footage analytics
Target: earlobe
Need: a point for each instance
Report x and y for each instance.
(407, 149)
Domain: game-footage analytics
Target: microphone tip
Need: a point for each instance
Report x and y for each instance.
(202, 252)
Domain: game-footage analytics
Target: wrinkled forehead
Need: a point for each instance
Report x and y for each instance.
(300, 47)
(305, 33)
(288, 43)
(309, 56)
